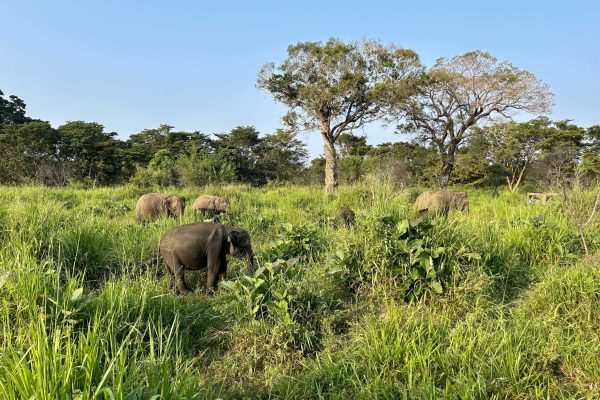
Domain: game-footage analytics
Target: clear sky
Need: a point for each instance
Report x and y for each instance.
(193, 64)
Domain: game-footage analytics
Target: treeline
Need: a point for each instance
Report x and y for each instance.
(545, 153)
(541, 151)
(35, 152)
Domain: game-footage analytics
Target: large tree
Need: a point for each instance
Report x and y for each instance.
(282, 156)
(591, 153)
(463, 91)
(515, 146)
(92, 152)
(145, 144)
(336, 87)
(27, 149)
(12, 111)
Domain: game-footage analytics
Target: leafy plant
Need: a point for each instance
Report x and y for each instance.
(294, 241)
(265, 294)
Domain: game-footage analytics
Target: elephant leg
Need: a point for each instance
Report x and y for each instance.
(170, 276)
(222, 270)
(178, 271)
(215, 272)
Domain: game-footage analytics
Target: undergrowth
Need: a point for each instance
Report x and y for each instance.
(496, 303)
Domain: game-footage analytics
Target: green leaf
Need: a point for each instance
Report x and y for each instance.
(416, 244)
(260, 271)
(414, 274)
(436, 286)
(77, 293)
(402, 227)
(425, 261)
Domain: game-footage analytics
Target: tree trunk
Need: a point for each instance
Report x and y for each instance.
(331, 178)
(447, 167)
(515, 180)
(448, 157)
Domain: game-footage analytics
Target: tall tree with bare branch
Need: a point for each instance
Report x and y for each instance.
(464, 91)
(336, 87)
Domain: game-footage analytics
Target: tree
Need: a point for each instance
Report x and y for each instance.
(458, 93)
(472, 161)
(282, 156)
(203, 168)
(12, 111)
(552, 147)
(515, 146)
(145, 144)
(336, 87)
(561, 153)
(26, 150)
(241, 148)
(591, 153)
(351, 145)
(93, 153)
(404, 162)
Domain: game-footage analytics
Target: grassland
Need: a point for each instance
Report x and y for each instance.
(497, 303)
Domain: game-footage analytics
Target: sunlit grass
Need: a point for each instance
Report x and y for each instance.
(82, 316)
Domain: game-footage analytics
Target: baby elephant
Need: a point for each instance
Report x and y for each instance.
(153, 205)
(441, 201)
(347, 216)
(211, 205)
(202, 245)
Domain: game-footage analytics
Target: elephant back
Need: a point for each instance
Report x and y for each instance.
(208, 202)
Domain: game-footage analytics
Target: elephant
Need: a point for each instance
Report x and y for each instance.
(347, 216)
(441, 202)
(211, 205)
(202, 244)
(152, 205)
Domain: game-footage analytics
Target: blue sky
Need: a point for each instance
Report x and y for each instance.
(193, 64)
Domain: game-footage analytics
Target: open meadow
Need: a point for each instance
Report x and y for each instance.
(499, 302)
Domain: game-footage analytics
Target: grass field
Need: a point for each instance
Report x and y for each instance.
(496, 303)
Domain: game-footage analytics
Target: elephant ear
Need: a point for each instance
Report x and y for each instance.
(233, 237)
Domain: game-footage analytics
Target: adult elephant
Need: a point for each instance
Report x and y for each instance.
(202, 245)
(211, 205)
(441, 201)
(153, 205)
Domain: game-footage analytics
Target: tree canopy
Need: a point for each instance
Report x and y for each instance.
(458, 93)
(336, 87)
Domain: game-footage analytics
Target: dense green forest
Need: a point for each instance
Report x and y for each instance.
(544, 152)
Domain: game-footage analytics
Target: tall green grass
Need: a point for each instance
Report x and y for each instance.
(326, 316)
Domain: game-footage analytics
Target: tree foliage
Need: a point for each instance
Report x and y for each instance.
(336, 87)
(12, 110)
(458, 93)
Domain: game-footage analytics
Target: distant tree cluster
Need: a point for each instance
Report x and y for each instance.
(35, 152)
(458, 113)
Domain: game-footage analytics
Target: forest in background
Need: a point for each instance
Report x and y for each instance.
(542, 152)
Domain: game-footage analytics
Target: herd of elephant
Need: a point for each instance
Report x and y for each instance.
(206, 244)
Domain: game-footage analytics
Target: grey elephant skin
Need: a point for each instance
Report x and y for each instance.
(211, 205)
(441, 202)
(203, 245)
(154, 205)
(346, 215)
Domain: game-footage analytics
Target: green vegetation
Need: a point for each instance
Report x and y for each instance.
(497, 303)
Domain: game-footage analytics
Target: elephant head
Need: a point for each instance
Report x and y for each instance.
(175, 205)
(460, 200)
(240, 246)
